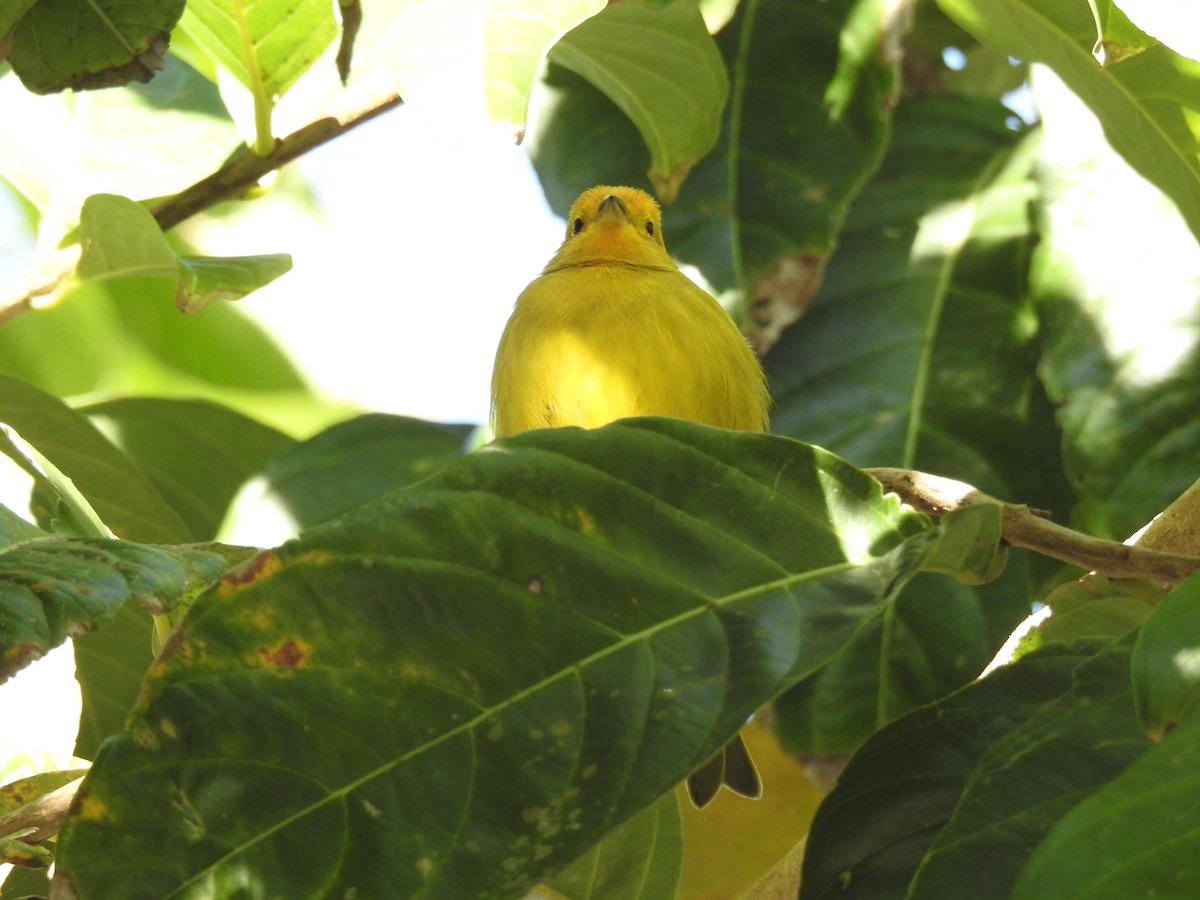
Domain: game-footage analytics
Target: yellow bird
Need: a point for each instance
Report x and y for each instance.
(611, 329)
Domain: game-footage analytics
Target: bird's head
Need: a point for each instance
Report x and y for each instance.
(613, 225)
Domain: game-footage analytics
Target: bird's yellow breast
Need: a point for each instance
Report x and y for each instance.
(588, 344)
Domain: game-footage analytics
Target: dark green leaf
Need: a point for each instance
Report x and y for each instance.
(938, 635)
(82, 44)
(349, 464)
(969, 546)
(661, 67)
(805, 124)
(53, 588)
(115, 487)
(640, 859)
(486, 672)
(1166, 660)
(1026, 781)
(921, 351)
(980, 775)
(196, 453)
(110, 664)
(1136, 835)
(1148, 103)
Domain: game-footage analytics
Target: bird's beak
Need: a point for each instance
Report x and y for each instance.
(612, 209)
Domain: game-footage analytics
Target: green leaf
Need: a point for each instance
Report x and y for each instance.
(11, 12)
(488, 671)
(265, 44)
(1166, 660)
(205, 279)
(640, 859)
(1136, 833)
(1148, 103)
(937, 636)
(1094, 606)
(83, 44)
(53, 588)
(960, 791)
(661, 67)
(16, 794)
(196, 453)
(921, 350)
(969, 546)
(1116, 37)
(347, 465)
(796, 145)
(468, 61)
(110, 664)
(115, 487)
(120, 239)
(1026, 781)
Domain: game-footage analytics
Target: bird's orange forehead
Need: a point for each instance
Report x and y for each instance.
(638, 202)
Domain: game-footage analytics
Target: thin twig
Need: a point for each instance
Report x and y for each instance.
(1025, 527)
(232, 180)
(244, 171)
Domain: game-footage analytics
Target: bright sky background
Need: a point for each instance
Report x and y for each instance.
(396, 301)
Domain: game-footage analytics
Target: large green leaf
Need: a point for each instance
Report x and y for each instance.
(488, 671)
(265, 44)
(52, 588)
(806, 123)
(1117, 296)
(960, 792)
(921, 351)
(661, 67)
(115, 487)
(1148, 103)
(640, 859)
(1135, 835)
(197, 453)
(81, 44)
(1166, 660)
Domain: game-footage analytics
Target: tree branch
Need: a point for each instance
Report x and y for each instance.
(1022, 526)
(44, 814)
(232, 180)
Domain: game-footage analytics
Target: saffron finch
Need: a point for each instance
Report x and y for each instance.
(611, 329)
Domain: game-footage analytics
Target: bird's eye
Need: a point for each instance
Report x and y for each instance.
(578, 226)
(650, 228)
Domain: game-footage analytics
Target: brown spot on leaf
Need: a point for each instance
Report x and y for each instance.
(287, 654)
(259, 566)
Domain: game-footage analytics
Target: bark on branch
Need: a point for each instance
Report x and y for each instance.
(1022, 526)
